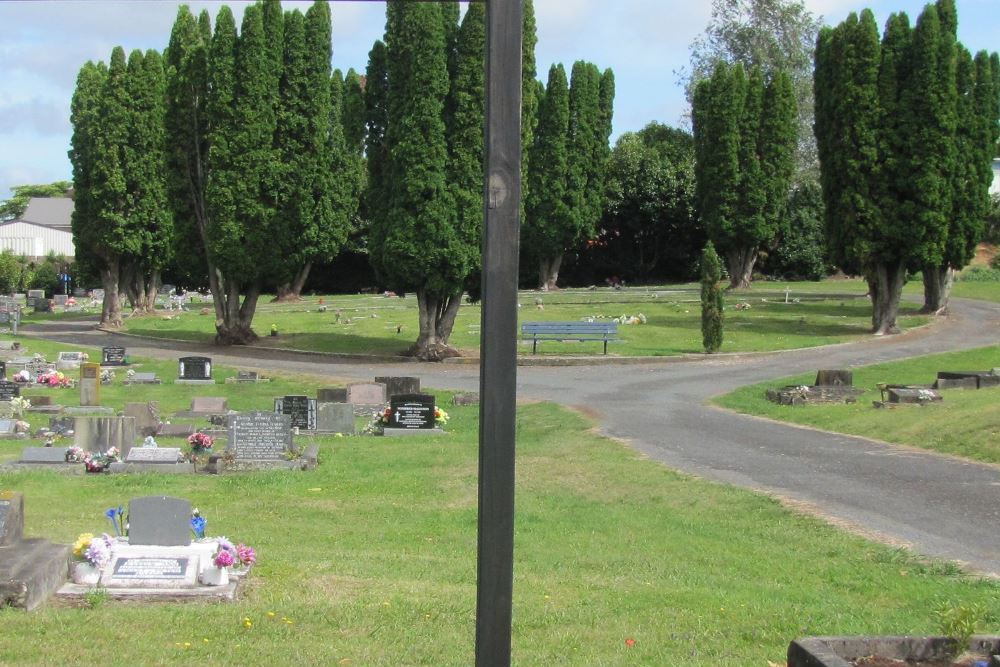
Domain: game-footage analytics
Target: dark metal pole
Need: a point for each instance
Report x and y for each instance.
(498, 360)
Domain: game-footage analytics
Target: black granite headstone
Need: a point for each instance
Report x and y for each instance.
(301, 409)
(194, 368)
(159, 520)
(3, 370)
(9, 390)
(113, 356)
(412, 411)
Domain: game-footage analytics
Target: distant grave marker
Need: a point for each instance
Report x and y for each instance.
(113, 356)
(194, 370)
(260, 436)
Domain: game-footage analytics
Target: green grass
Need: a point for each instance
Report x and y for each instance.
(387, 326)
(371, 557)
(966, 423)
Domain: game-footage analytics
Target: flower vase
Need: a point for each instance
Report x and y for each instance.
(214, 576)
(86, 574)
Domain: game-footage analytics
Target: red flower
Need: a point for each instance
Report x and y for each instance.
(629, 642)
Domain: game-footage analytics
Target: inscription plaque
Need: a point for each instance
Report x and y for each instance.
(260, 436)
(150, 568)
(112, 356)
(412, 411)
(9, 390)
(153, 455)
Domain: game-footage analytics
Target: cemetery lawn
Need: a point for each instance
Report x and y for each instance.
(966, 423)
(370, 558)
(758, 319)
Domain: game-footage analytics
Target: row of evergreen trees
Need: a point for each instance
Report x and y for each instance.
(241, 155)
(906, 129)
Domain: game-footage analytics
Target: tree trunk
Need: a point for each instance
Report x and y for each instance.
(937, 289)
(740, 263)
(111, 310)
(293, 291)
(235, 326)
(152, 289)
(437, 319)
(887, 287)
(548, 272)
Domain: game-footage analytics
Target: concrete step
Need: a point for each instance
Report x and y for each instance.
(31, 571)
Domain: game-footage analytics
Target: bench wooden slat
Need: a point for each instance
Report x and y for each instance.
(559, 331)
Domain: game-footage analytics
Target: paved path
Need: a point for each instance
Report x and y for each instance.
(938, 505)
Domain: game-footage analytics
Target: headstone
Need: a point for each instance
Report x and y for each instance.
(9, 390)
(97, 294)
(260, 436)
(39, 400)
(62, 425)
(60, 299)
(332, 395)
(366, 393)
(36, 367)
(907, 395)
(146, 415)
(113, 356)
(396, 385)
(3, 370)
(246, 376)
(90, 384)
(834, 378)
(69, 360)
(159, 520)
(301, 409)
(335, 418)
(176, 430)
(162, 455)
(21, 298)
(43, 306)
(166, 289)
(412, 411)
(194, 368)
(8, 428)
(99, 434)
(43, 455)
(11, 517)
(34, 296)
(79, 292)
(142, 378)
(956, 381)
(209, 405)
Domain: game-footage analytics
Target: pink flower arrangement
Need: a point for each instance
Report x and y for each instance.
(224, 558)
(246, 554)
(200, 442)
(54, 379)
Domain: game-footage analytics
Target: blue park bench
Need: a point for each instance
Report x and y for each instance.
(560, 331)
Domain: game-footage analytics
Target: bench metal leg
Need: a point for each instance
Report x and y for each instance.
(605, 346)
(534, 345)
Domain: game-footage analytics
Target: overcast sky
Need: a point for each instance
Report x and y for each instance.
(644, 41)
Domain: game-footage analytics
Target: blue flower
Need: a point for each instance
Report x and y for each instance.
(198, 526)
(111, 517)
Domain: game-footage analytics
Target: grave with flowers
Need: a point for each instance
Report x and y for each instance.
(157, 550)
(409, 414)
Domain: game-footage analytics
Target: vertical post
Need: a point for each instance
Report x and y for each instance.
(498, 356)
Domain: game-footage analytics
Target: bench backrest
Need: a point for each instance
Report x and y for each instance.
(590, 328)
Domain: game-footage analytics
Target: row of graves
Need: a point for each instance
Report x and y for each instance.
(157, 550)
(837, 386)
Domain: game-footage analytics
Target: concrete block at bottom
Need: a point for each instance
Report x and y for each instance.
(403, 432)
(31, 571)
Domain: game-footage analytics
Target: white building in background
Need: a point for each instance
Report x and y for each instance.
(995, 188)
(44, 228)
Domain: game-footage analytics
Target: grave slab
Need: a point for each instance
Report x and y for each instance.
(44, 456)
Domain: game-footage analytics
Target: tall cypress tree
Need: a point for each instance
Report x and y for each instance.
(148, 215)
(711, 300)
(548, 208)
(353, 115)
(376, 194)
(530, 96)
(416, 245)
(85, 117)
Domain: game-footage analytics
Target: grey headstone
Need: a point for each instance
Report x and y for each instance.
(144, 378)
(7, 426)
(969, 382)
(43, 455)
(335, 418)
(90, 384)
(263, 436)
(34, 296)
(396, 385)
(177, 430)
(466, 398)
(153, 455)
(905, 395)
(209, 405)
(72, 357)
(159, 520)
(366, 393)
(146, 415)
(247, 376)
(60, 299)
(332, 395)
(62, 425)
(11, 517)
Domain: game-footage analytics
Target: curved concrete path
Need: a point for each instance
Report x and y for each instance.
(937, 505)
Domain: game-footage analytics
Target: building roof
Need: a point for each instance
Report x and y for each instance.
(49, 211)
(58, 228)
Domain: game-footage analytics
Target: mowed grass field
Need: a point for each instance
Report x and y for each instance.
(767, 317)
(370, 559)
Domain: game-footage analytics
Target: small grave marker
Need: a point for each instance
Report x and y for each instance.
(912, 395)
(166, 455)
(9, 390)
(43, 455)
(159, 520)
(366, 393)
(396, 385)
(412, 411)
(301, 409)
(113, 356)
(142, 378)
(332, 395)
(60, 299)
(335, 418)
(209, 405)
(194, 370)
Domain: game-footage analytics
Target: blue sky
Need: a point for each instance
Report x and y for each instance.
(644, 41)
